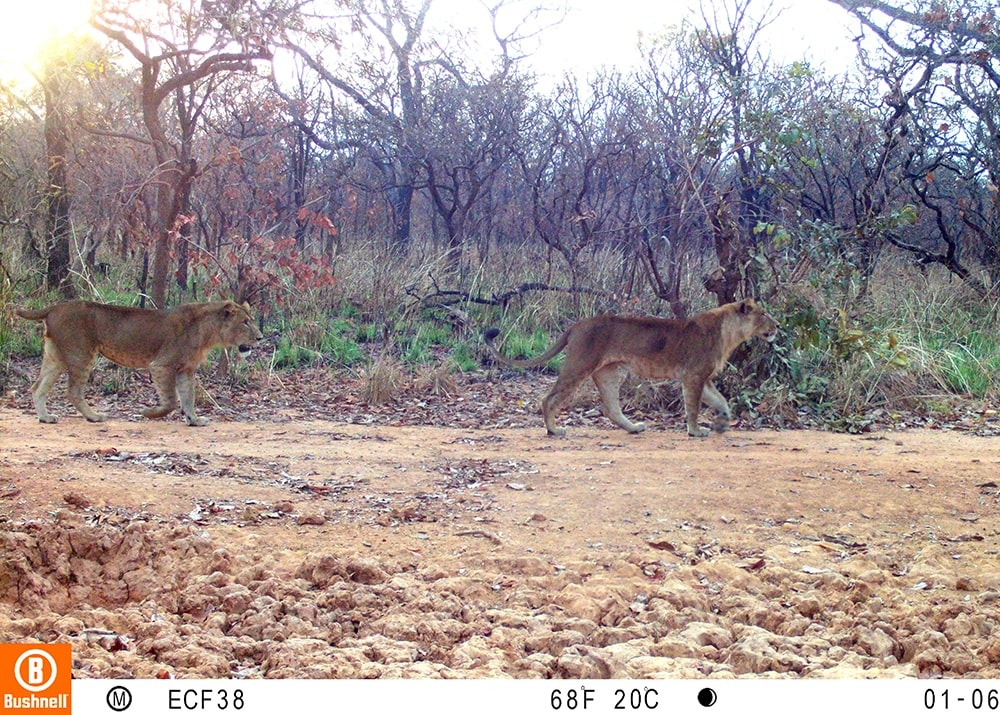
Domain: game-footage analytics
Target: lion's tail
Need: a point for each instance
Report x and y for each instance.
(33, 314)
(491, 333)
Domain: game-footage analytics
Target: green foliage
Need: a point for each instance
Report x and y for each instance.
(424, 342)
(878, 346)
(464, 358)
(908, 346)
(368, 332)
(339, 343)
(289, 355)
(21, 337)
(18, 336)
(778, 234)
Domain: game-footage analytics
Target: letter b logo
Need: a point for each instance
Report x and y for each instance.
(35, 670)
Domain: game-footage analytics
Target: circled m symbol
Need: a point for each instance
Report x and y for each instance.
(119, 698)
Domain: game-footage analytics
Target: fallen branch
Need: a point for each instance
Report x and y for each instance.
(443, 297)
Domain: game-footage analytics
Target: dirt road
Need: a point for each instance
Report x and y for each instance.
(316, 548)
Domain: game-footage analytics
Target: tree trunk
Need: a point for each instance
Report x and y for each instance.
(160, 268)
(174, 183)
(401, 200)
(185, 227)
(726, 281)
(57, 225)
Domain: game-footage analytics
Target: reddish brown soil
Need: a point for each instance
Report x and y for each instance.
(292, 541)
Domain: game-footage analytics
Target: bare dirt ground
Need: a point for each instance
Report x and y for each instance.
(448, 537)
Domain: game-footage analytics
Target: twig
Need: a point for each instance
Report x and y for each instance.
(482, 534)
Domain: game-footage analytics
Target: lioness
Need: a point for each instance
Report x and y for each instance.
(691, 351)
(170, 343)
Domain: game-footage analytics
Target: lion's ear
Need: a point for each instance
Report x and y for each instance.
(246, 306)
(746, 306)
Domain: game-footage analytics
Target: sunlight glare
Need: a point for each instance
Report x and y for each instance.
(29, 29)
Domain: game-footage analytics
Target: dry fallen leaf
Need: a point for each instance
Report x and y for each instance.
(815, 569)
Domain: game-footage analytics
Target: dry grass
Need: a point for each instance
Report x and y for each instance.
(383, 380)
(438, 381)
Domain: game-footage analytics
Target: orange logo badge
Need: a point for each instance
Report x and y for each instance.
(35, 678)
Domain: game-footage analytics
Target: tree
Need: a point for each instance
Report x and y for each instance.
(182, 69)
(471, 134)
(64, 60)
(392, 81)
(390, 99)
(941, 64)
(740, 75)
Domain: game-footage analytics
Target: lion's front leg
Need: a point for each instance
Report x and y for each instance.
(714, 399)
(185, 390)
(692, 390)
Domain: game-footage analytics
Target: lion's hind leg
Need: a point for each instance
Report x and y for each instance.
(52, 369)
(79, 367)
(165, 381)
(557, 398)
(609, 381)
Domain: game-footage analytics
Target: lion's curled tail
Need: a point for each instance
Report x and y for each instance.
(491, 333)
(33, 314)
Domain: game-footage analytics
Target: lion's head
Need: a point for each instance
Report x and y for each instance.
(761, 324)
(237, 328)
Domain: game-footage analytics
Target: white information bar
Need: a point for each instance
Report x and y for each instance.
(526, 697)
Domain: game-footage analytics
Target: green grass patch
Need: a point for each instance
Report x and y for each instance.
(289, 355)
(465, 358)
(368, 332)
(968, 364)
(339, 343)
(425, 343)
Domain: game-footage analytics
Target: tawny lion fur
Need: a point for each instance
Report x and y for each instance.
(691, 351)
(171, 344)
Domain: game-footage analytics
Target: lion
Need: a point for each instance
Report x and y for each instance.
(691, 351)
(171, 344)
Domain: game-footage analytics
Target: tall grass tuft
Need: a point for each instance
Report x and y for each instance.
(383, 380)
(438, 381)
